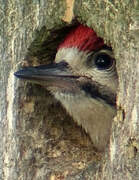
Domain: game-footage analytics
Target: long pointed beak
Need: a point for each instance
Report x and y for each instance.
(56, 74)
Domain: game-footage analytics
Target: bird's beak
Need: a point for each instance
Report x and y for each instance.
(52, 75)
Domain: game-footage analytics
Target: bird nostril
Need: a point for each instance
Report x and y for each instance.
(63, 63)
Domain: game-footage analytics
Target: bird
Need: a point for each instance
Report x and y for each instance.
(84, 79)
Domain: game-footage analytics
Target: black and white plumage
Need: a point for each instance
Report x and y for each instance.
(84, 79)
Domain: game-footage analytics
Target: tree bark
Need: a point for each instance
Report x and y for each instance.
(38, 139)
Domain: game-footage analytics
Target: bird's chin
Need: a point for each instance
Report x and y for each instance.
(64, 87)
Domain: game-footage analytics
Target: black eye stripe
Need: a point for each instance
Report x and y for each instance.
(93, 90)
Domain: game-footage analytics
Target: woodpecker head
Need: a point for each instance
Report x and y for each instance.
(84, 79)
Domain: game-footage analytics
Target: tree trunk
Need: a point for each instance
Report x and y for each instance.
(38, 139)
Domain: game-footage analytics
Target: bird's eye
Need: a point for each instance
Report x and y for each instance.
(103, 61)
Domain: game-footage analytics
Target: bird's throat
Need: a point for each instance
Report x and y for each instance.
(93, 115)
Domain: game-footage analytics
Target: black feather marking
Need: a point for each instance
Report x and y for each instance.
(94, 91)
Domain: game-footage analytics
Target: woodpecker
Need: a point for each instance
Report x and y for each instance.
(83, 78)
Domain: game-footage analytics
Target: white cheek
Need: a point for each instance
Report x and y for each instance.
(77, 61)
(72, 56)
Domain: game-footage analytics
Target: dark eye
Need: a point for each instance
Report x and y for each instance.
(103, 61)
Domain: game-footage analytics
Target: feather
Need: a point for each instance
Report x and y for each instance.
(83, 38)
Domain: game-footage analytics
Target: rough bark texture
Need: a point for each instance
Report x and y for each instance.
(38, 139)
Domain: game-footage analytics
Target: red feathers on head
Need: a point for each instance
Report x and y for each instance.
(83, 38)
